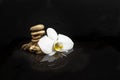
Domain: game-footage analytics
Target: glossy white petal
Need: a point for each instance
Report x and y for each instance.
(46, 45)
(52, 53)
(52, 34)
(66, 41)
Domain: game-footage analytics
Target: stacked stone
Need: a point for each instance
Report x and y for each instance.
(36, 33)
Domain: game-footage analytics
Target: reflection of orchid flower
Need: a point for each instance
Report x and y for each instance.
(53, 42)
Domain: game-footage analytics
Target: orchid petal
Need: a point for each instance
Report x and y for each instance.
(46, 45)
(52, 34)
(52, 53)
(66, 41)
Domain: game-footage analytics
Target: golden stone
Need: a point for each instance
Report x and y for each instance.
(36, 33)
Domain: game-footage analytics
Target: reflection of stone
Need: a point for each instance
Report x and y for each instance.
(36, 33)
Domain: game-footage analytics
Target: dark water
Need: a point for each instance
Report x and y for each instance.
(88, 60)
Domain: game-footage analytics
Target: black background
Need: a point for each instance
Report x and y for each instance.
(95, 24)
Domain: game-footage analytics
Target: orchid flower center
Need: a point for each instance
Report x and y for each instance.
(58, 46)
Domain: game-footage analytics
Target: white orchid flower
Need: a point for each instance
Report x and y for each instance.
(53, 42)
